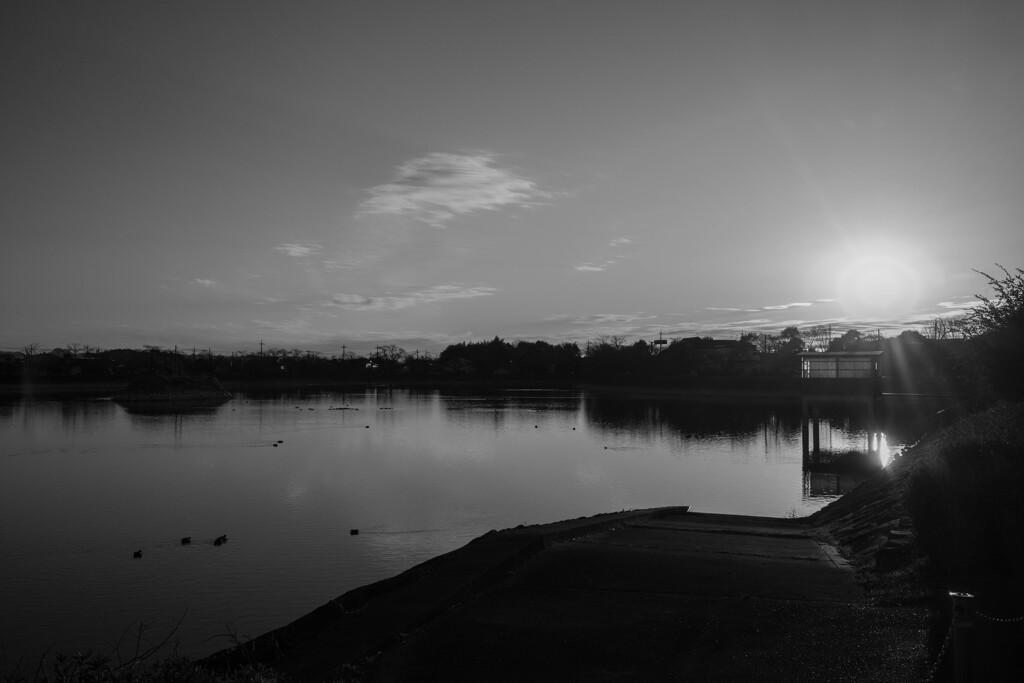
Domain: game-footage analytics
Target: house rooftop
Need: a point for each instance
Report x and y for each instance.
(840, 354)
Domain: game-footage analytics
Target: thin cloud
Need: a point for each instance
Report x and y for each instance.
(593, 267)
(298, 249)
(782, 307)
(436, 294)
(439, 187)
(616, 247)
(611, 318)
(958, 305)
(204, 282)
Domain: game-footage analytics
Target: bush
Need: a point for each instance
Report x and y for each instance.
(93, 668)
(966, 502)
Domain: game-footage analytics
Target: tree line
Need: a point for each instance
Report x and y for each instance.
(983, 343)
(608, 358)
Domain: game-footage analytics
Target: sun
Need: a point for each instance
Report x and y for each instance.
(878, 285)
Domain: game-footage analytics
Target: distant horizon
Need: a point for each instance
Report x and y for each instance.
(411, 346)
(427, 173)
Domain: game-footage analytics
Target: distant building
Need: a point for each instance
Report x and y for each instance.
(838, 376)
(840, 365)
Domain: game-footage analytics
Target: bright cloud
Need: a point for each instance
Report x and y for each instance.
(205, 282)
(299, 249)
(439, 187)
(436, 294)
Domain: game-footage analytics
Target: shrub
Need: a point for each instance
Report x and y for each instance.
(966, 501)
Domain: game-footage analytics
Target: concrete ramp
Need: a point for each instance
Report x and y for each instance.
(684, 597)
(650, 595)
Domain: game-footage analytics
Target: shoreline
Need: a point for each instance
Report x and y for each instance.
(738, 567)
(845, 593)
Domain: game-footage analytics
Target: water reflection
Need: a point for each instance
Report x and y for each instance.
(286, 475)
(690, 417)
(194, 407)
(829, 485)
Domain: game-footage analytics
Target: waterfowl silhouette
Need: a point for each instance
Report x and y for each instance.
(220, 540)
(137, 554)
(185, 540)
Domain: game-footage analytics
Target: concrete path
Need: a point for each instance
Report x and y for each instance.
(647, 596)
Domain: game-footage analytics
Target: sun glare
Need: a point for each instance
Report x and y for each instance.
(882, 283)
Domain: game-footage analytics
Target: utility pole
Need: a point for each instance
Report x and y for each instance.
(261, 348)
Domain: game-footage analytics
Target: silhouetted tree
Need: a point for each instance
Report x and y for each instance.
(1003, 311)
(391, 353)
(752, 338)
(847, 342)
(996, 327)
(819, 336)
(945, 327)
(790, 341)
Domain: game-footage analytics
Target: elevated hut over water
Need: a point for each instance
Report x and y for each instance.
(838, 377)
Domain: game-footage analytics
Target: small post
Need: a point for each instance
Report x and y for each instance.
(805, 435)
(963, 635)
(816, 417)
(872, 427)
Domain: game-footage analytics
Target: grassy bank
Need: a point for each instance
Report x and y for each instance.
(947, 516)
(966, 500)
(949, 511)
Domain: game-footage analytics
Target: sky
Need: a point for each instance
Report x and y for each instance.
(320, 175)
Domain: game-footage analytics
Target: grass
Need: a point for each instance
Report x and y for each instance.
(968, 515)
(966, 500)
(89, 668)
(142, 665)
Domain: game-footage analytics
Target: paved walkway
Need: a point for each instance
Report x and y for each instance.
(646, 596)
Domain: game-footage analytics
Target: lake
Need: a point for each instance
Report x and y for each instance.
(85, 483)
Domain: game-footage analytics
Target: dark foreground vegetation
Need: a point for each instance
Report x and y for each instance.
(967, 498)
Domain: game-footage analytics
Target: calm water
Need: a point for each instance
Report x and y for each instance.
(84, 483)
